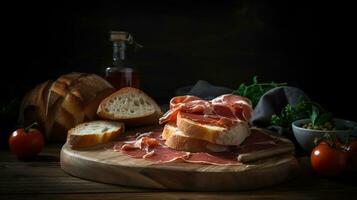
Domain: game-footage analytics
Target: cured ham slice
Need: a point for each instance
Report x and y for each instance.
(241, 106)
(150, 146)
(226, 106)
(257, 137)
(182, 102)
(162, 154)
(179, 100)
(133, 152)
(196, 106)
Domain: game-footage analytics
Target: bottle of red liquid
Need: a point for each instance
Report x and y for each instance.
(119, 74)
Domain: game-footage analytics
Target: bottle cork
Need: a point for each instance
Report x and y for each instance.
(118, 36)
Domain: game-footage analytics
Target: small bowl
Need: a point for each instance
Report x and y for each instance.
(305, 137)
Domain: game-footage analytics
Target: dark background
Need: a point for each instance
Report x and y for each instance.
(304, 44)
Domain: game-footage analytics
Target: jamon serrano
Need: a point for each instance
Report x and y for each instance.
(221, 121)
(207, 132)
(190, 104)
(240, 106)
(151, 147)
(229, 106)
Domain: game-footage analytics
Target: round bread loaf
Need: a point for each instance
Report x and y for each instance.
(60, 105)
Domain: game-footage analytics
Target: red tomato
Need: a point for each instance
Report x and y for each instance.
(26, 144)
(328, 160)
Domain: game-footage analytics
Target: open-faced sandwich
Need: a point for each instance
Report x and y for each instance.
(210, 132)
(197, 125)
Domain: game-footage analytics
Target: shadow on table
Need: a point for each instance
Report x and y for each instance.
(42, 158)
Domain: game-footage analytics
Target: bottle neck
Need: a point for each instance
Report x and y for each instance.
(119, 48)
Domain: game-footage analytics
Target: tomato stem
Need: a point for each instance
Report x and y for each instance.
(27, 129)
(317, 140)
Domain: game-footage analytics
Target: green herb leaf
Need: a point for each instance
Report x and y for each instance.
(314, 114)
(323, 118)
(242, 89)
(275, 119)
(256, 90)
(255, 80)
(302, 109)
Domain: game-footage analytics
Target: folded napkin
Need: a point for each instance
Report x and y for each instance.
(273, 102)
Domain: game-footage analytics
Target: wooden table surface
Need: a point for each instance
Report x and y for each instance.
(43, 178)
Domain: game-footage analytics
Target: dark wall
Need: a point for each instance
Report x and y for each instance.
(223, 43)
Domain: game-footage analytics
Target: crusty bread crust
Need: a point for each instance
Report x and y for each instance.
(61, 104)
(176, 139)
(214, 134)
(138, 120)
(91, 139)
(32, 109)
(73, 98)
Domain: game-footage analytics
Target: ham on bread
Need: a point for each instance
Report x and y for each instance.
(221, 121)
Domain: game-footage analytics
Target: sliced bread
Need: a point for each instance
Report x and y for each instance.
(176, 139)
(232, 135)
(92, 133)
(131, 106)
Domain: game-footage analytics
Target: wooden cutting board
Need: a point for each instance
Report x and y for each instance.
(102, 164)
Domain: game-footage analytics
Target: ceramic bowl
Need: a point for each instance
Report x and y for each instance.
(305, 137)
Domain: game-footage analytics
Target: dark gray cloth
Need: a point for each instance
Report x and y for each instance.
(273, 102)
(204, 90)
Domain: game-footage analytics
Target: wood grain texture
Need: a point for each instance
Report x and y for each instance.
(295, 195)
(105, 165)
(42, 178)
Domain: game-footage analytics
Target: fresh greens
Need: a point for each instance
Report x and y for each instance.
(319, 118)
(255, 90)
(302, 109)
(291, 113)
(323, 119)
(314, 114)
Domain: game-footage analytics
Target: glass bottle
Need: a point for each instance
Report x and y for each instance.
(119, 74)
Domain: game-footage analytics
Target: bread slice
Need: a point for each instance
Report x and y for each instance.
(176, 139)
(233, 135)
(131, 106)
(92, 133)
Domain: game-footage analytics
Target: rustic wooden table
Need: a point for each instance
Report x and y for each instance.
(43, 178)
